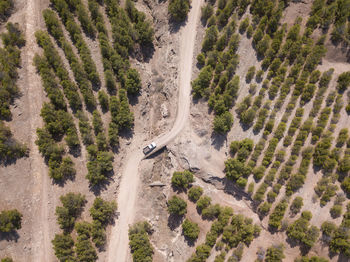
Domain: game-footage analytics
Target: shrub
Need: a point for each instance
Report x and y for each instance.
(203, 202)
(211, 212)
(10, 148)
(243, 26)
(300, 230)
(223, 123)
(10, 220)
(250, 74)
(274, 254)
(178, 9)
(103, 211)
(99, 166)
(72, 206)
(182, 180)
(207, 12)
(343, 81)
(133, 81)
(103, 100)
(195, 193)
(336, 211)
(296, 205)
(139, 243)
(190, 229)
(177, 206)
(277, 215)
(63, 245)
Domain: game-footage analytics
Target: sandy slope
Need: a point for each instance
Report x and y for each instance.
(118, 246)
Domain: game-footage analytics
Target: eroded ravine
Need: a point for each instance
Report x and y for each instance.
(118, 246)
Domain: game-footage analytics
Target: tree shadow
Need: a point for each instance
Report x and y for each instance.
(147, 52)
(134, 99)
(9, 236)
(190, 242)
(174, 221)
(63, 182)
(218, 140)
(97, 189)
(154, 154)
(126, 133)
(75, 151)
(231, 188)
(175, 26)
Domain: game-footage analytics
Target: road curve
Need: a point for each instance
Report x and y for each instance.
(118, 246)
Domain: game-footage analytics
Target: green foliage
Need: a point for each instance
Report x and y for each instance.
(223, 123)
(6, 7)
(103, 211)
(250, 74)
(10, 148)
(234, 169)
(190, 229)
(103, 100)
(72, 206)
(195, 193)
(274, 254)
(6, 259)
(211, 36)
(240, 230)
(10, 220)
(178, 9)
(120, 111)
(203, 202)
(200, 86)
(63, 246)
(182, 180)
(336, 211)
(141, 248)
(177, 206)
(300, 230)
(100, 165)
(343, 81)
(211, 211)
(311, 259)
(244, 25)
(133, 81)
(296, 205)
(275, 219)
(207, 12)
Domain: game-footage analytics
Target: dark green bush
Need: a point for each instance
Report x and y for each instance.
(182, 180)
(190, 229)
(177, 206)
(178, 9)
(103, 211)
(274, 254)
(139, 243)
(195, 193)
(63, 245)
(10, 220)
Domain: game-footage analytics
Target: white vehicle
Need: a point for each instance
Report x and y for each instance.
(146, 150)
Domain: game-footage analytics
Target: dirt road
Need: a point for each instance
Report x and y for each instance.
(118, 247)
(41, 250)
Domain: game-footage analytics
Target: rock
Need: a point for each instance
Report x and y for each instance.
(157, 183)
(211, 179)
(164, 111)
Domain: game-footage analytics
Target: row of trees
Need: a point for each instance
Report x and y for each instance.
(10, 149)
(141, 247)
(102, 213)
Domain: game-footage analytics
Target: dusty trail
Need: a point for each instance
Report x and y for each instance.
(118, 247)
(41, 249)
